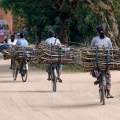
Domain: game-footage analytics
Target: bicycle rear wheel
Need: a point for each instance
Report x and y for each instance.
(24, 72)
(15, 73)
(54, 80)
(12, 66)
(102, 95)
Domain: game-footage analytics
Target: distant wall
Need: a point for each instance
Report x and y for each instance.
(8, 17)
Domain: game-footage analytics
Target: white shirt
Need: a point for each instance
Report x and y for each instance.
(22, 42)
(100, 43)
(53, 41)
(12, 43)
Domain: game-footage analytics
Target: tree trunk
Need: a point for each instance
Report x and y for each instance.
(64, 33)
(108, 17)
(66, 8)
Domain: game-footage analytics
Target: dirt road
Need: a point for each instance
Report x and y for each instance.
(76, 98)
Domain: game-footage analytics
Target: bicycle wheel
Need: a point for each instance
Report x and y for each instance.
(12, 66)
(24, 72)
(15, 73)
(102, 95)
(54, 80)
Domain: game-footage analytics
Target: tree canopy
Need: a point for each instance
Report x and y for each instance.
(72, 20)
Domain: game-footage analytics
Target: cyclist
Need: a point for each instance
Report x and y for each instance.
(22, 42)
(102, 41)
(54, 42)
(7, 44)
(12, 41)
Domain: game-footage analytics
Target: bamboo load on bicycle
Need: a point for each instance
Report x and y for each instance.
(21, 56)
(55, 54)
(20, 53)
(95, 57)
(100, 59)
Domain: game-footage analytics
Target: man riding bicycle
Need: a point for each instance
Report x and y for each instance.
(22, 43)
(102, 41)
(52, 41)
(12, 42)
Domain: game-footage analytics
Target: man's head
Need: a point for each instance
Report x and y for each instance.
(51, 33)
(21, 35)
(12, 37)
(18, 35)
(100, 31)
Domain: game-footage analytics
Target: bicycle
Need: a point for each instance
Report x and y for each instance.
(102, 78)
(20, 66)
(53, 72)
(56, 55)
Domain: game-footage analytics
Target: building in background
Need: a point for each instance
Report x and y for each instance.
(6, 24)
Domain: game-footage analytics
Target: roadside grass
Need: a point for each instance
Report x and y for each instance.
(72, 68)
(65, 68)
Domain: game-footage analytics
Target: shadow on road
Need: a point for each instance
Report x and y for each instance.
(4, 68)
(26, 92)
(76, 106)
(116, 82)
(4, 76)
(9, 81)
(39, 91)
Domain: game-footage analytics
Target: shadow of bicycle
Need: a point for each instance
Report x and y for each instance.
(25, 92)
(76, 106)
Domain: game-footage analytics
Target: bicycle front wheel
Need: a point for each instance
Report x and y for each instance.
(54, 80)
(102, 95)
(14, 70)
(15, 73)
(24, 72)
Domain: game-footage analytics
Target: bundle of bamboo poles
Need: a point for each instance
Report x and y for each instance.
(88, 58)
(25, 53)
(7, 53)
(100, 58)
(54, 54)
(21, 53)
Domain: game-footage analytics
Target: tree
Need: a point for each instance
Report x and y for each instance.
(105, 10)
(73, 20)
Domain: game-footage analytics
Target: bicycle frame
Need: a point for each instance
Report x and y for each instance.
(21, 66)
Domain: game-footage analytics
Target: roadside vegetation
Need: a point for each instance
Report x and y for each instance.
(74, 21)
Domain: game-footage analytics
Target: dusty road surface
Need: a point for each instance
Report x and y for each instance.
(76, 98)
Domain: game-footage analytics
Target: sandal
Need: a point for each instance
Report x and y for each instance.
(49, 79)
(110, 96)
(60, 80)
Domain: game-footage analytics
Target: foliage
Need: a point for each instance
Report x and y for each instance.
(116, 4)
(71, 17)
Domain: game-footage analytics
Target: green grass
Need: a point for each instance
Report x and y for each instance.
(72, 68)
(65, 68)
